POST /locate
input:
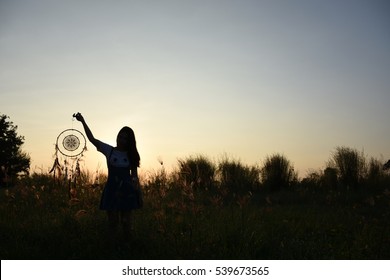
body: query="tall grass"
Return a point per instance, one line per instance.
(202, 210)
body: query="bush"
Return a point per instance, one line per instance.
(375, 169)
(198, 172)
(236, 177)
(350, 165)
(312, 180)
(278, 173)
(329, 179)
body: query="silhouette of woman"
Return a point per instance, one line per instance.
(122, 192)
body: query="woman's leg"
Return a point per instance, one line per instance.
(113, 220)
(113, 223)
(126, 220)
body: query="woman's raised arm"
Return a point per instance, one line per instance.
(87, 130)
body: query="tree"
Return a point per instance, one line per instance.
(12, 159)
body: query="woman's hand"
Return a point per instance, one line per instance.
(90, 136)
(78, 117)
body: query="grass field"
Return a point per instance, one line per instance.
(182, 220)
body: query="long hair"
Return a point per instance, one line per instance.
(132, 151)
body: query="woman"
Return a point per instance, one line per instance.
(121, 193)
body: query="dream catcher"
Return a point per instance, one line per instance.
(69, 148)
(71, 143)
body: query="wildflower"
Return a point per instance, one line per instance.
(370, 201)
(196, 209)
(216, 200)
(9, 195)
(72, 193)
(243, 200)
(80, 213)
(159, 215)
(74, 201)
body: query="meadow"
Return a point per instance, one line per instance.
(202, 210)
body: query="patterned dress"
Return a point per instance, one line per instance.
(120, 192)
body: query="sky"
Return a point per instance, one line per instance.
(244, 79)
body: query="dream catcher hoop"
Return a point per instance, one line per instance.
(71, 143)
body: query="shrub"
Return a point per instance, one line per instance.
(312, 180)
(277, 172)
(329, 179)
(198, 172)
(236, 177)
(375, 169)
(350, 165)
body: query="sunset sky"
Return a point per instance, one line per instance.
(243, 78)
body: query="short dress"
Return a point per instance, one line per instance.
(120, 192)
